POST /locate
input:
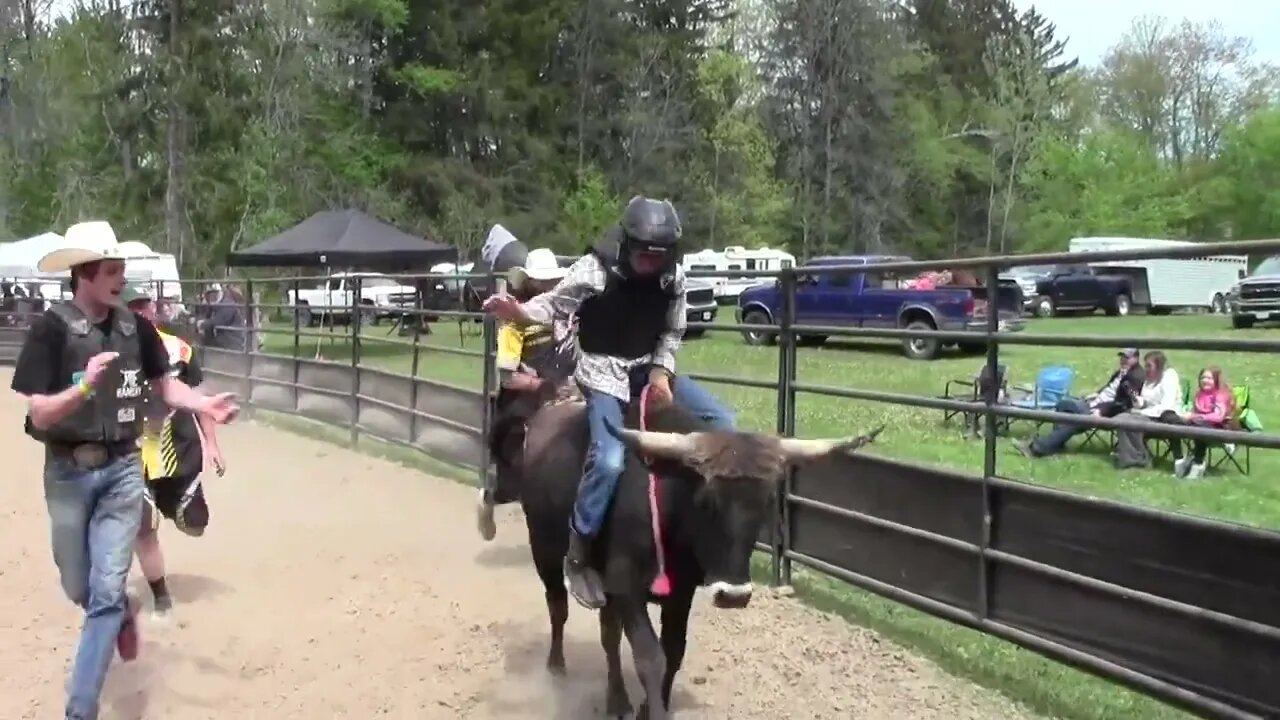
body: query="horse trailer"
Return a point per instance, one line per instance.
(1162, 286)
(734, 258)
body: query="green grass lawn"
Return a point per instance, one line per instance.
(918, 435)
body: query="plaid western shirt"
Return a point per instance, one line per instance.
(604, 373)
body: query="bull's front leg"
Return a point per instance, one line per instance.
(646, 652)
(558, 613)
(675, 631)
(617, 704)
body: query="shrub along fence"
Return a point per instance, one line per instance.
(1182, 608)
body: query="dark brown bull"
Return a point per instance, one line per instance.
(716, 491)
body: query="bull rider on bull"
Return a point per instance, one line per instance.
(628, 294)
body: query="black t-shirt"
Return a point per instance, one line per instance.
(38, 370)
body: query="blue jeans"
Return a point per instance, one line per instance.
(606, 454)
(1057, 438)
(94, 515)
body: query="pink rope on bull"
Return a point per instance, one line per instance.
(661, 585)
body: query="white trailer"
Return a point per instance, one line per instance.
(1163, 286)
(735, 258)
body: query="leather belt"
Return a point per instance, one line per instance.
(92, 455)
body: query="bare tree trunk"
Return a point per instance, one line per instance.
(991, 199)
(29, 26)
(174, 210)
(366, 70)
(715, 193)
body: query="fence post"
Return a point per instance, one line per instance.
(356, 321)
(297, 342)
(247, 337)
(413, 375)
(781, 563)
(990, 396)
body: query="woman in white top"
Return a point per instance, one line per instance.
(1161, 393)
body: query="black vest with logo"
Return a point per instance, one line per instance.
(627, 319)
(113, 413)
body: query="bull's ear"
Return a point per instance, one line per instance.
(796, 450)
(670, 446)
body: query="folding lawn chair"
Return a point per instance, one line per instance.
(977, 392)
(1249, 422)
(1053, 383)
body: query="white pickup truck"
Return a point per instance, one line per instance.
(380, 297)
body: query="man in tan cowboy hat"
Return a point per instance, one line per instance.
(527, 358)
(83, 369)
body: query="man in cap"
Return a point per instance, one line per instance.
(528, 358)
(83, 369)
(1115, 397)
(628, 294)
(176, 447)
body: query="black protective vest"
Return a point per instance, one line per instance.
(113, 413)
(630, 315)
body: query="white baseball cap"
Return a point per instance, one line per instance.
(84, 242)
(539, 265)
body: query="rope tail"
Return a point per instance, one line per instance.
(661, 586)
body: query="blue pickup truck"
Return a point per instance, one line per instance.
(878, 299)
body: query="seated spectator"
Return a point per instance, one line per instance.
(221, 320)
(1161, 393)
(1113, 398)
(1213, 406)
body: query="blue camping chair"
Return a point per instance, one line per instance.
(1053, 383)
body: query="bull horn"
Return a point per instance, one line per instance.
(797, 450)
(673, 446)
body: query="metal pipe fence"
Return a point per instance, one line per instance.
(1151, 598)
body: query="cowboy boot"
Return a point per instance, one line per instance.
(582, 581)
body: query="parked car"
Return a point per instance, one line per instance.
(700, 304)
(1075, 287)
(879, 298)
(1027, 277)
(1256, 297)
(380, 297)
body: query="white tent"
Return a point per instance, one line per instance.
(18, 259)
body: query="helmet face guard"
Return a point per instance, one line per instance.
(650, 226)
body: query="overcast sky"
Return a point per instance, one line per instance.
(1093, 26)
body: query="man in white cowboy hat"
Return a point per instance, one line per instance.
(84, 369)
(527, 358)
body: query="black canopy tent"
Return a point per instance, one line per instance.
(346, 239)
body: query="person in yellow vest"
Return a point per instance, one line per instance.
(526, 358)
(176, 447)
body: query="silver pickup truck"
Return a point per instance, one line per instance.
(1257, 297)
(700, 304)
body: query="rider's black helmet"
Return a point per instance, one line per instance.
(651, 226)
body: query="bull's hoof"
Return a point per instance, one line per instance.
(618, 705)
(484, 518)
(555, 665)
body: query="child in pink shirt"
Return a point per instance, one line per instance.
(1212, 406)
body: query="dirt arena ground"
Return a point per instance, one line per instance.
(334, 585)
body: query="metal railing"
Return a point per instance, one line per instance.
(979, 549)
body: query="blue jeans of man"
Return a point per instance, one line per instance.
(94, 517)
(1056, 439)
(606, 454)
